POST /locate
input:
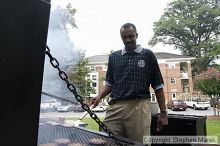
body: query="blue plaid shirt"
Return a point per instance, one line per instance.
(131, 74)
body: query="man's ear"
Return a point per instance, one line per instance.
(136, 35)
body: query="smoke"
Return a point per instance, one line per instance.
(63, 50)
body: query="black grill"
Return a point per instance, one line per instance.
(47, 133)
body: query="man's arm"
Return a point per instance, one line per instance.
(105, 91)
(160, 99)
(162, 119)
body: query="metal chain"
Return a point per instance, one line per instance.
(79, 98)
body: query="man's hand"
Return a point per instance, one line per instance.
(162, 121)
(95, 101)
(105, 91)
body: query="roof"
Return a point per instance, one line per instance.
(163, 55)
(159, 55)
(98, 58)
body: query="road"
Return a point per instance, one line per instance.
(189, 111)
(67, 114)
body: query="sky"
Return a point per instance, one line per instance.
(99, 22)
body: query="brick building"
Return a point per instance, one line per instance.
(175, 69)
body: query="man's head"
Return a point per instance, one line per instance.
(129, 35)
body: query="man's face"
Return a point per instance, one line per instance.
(129, 36)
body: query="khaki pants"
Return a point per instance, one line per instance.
(130, 119)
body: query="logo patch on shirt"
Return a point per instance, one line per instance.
(141, 63)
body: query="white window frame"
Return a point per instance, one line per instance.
(92, 68)
(173, 93)
(171, 64)
(173, 79)
(105, 68)
(94, 77)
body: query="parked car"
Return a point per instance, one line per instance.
(176, 105)
(65, 108)
(49, 105)
(197, 103)
(214, 100)
(105, 107)
(78, 108)
(99, 109)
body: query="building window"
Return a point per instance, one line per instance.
(183, 67)
(92, 68)
(94, 77)
(172, 80)
(94, 84)
(105, 68)
(171, 64)
(173, 95)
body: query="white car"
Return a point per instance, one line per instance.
(65, 108)
(197, 103)
(50, 105)
(100, 108)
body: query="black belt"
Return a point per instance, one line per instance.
(115, 100)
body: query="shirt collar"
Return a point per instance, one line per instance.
(137, 50)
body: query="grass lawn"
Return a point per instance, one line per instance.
(91, 123)
(212, 125)
(213, 128)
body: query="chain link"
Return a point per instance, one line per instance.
(79, 98)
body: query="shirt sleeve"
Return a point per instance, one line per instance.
(158, 86)
(109, 80)
(156, 80)
(107, 83)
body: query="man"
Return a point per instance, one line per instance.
(130, 73)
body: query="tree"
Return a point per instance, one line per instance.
(69, 13)
(215, 65)
(63, 17)
(193, 27)
(208, 82)
(79, 76)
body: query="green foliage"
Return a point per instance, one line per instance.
(69, 15)
(209, 86)
(102, 78)
(217, 66)
(62, 18)
(208, 82)
(92, 123)
(193, 27)
(79, 76)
